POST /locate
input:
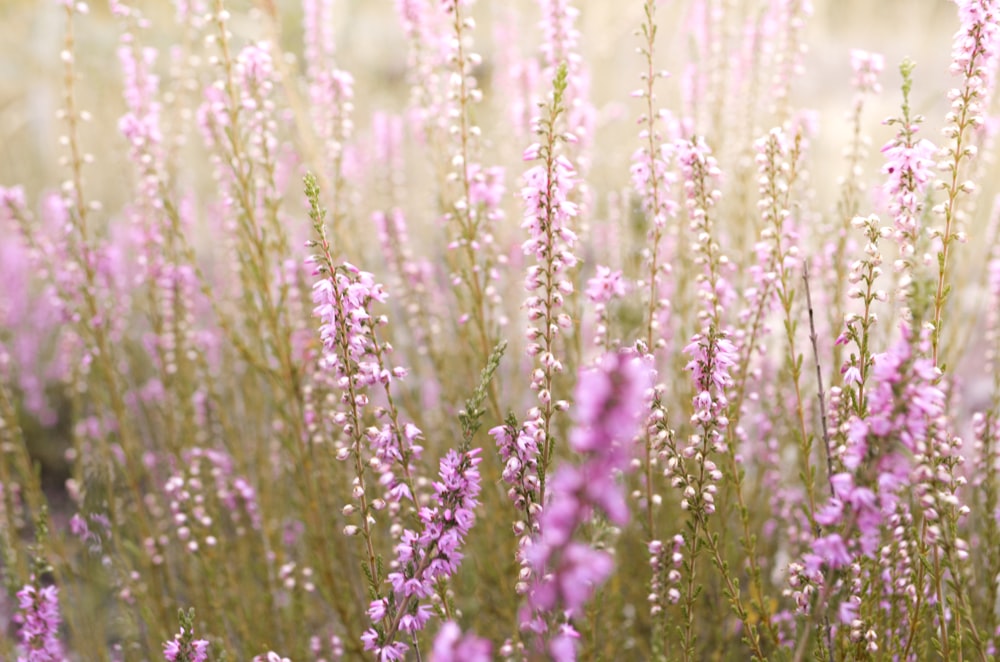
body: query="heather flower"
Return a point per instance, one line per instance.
(548, 212)
(519, 454)
(605, 285)
(184, 647)
(863, 275)
(651, 179)
(867, 67)
(602, 288)
(472, 200)
(40, 619)
(450, 645)
(560, 46)
(665, 563)
(701, 174)
(359, 359)
(909, 167)
(712, 358)
(428, 556)
(909, 170)
(271, 657)
(975, 51)
(174, 651)
(610, 400)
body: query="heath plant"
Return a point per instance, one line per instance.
(403, 331)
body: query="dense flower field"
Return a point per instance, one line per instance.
(448, 360)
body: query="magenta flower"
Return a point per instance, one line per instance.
(39, 617)
(451, 646)
(867, 67)
(426, 557)
(183, 649)
(610, 399)
(605, 285)
(909, 170)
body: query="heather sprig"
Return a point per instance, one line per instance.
(867, 68)
(694, 471)
(608, 405)
(184, 647)
(974, 59)
(652, 179)
(701, 175)
(353, 351)
(548, 211)
(605, 286)
(858, 328)
(427, 558)
(450, 645)
(909, 170)
(693, 468)
(38, 615)
(40, 619)
(519, 454)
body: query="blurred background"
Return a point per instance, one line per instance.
(371, 45)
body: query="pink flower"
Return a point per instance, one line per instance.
(605, 285)
(451, 646)
(40, 619)
(610, 398)
(867, 67)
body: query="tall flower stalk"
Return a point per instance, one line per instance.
(609, 401)
(974, 54)
(547, 215)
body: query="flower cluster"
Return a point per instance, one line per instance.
(451, 645)
(473, 209)
(774, 161)
(863, 277)
(140, 125)
(548, 213)
(177, 650)
(255, 73)
(608, 409)
(713, 356)
(355, 354)
(909, 170)
(193, 501)
(519, 453)
(547, 217)
(701, 174)
(652, 178)
(975, 51)
(666, 573)
(39, 617)
(891, 443)
(866, 67)
(605, 286)
(426, 558)
(974, 54)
